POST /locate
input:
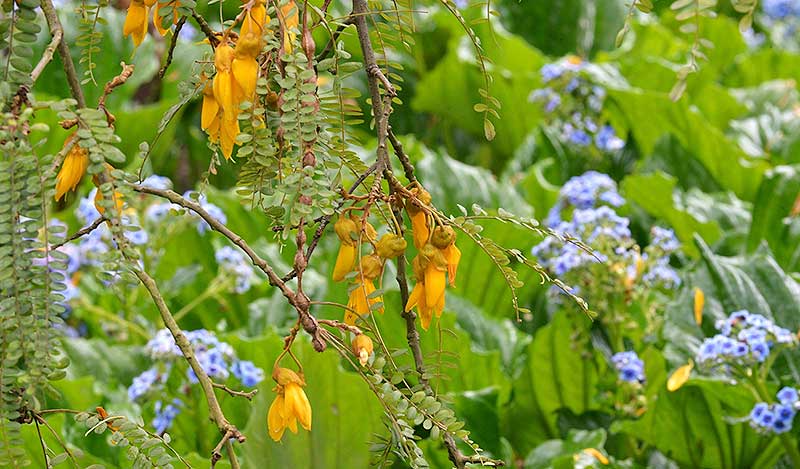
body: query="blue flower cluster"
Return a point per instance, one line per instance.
(744, 338)
(776, 418)
(781, 9)
(781, 20)
(217, 358)
(588, 203)
(234, 262)
(213, 210)
(166, 415)
(629, 366)
(575, 105)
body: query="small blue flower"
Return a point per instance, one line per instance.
(157, 182)
(781, 426)
(551, 71)
(784, 412)
(760, 350)
(142, 384)
(607, 140)
(215, 212)
(758, 410)
(629, 366)
(779, 9)
(158, 211)
(664, 239)
(788, 396)
(247, 373)
(166, 416)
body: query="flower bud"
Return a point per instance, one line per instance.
(284, 376)
(443, 236)
(362, 347)
(699, 303)
(391, 246)
(369, 230)
(346, 230)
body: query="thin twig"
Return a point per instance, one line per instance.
(54, 24)
(246, 394)
(408, 168)
(82, 232)
(47, 55)
(172, 44)
(210, 34)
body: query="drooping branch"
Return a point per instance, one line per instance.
(47, 55)
(54, 24)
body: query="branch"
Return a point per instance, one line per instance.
(299, 300)
(245, 394)
(47, 55)
(172, 44)
(214, 410)
(210, 34)
(408, 168)
(63, 51)
(82, 232)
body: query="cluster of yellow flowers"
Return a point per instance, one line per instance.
(72, 170)
(290, 405)
(139, 12)
(436, 261)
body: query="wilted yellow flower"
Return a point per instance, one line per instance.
(347, 231)
(699, 303)
(419, 219)
(290, 405)
(136, 21)
(680, 377)
(72, 169)
(362, 347)
(209, 115)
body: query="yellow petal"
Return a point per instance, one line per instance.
(345, 261)
(453, 256)
(434, 284)
(699, 302)
(301, 408)
(229, 130)
(419, 228)
(680, 377)
(275, 419)
(72, 169)
(597, 455)
(245, 71)
(136, 22)
(209, 112)
(417, 295)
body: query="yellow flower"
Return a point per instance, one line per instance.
(227, 94)
(418, 217)
(72, 169)
(699, 302)
(291, 20)
(600, 457)
(244, 65)
(360, 301)
(98, 197)
(680, 377)
(255, 20)
(444, 239)
(362, 347)
(391, 246)
(136, 21)
(290, 405)
(419, 295)
(346, 230)
(209, 116)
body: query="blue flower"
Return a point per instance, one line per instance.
(162, 345)
(550, 72)
(784, 412)
(661, 274)
(215, 212)
(578, 136)
(586, 190)
(758, 410)
(246, 372)
(629, 366)
(760, 350)
(158, 211)
(164, 417)
(607, 140)
(788, 396)
(552, 103)
(781, 426)
(157, 182)
(779, 9)
(664, 239)
(233, 261)
(142, 384)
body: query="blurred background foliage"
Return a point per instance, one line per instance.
(720, 167)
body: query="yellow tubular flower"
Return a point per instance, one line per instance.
(680, 377)
(72, 169)
(362, 347)
(434, 273)
(136, 22)
(229, 130)
(419, 297)
(255, 20)
(210, 112)
(360, 302)
(699, 303)
(290, 405)
(244, 65)
(291, 20)
(225, 91)
(346, 230)
(444, 239)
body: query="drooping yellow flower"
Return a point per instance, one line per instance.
(209, 115)
(347, 232)
(98, 196)
(255, 20)
(72, 169)
(136, 21)
(361, 299)
(290, 405)
(699, 303)
(419, 295)
(362, 347)
(444, 239)
(227, 94)
(291, 20)
(419, 219)
(680, 377)
(244, 65)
